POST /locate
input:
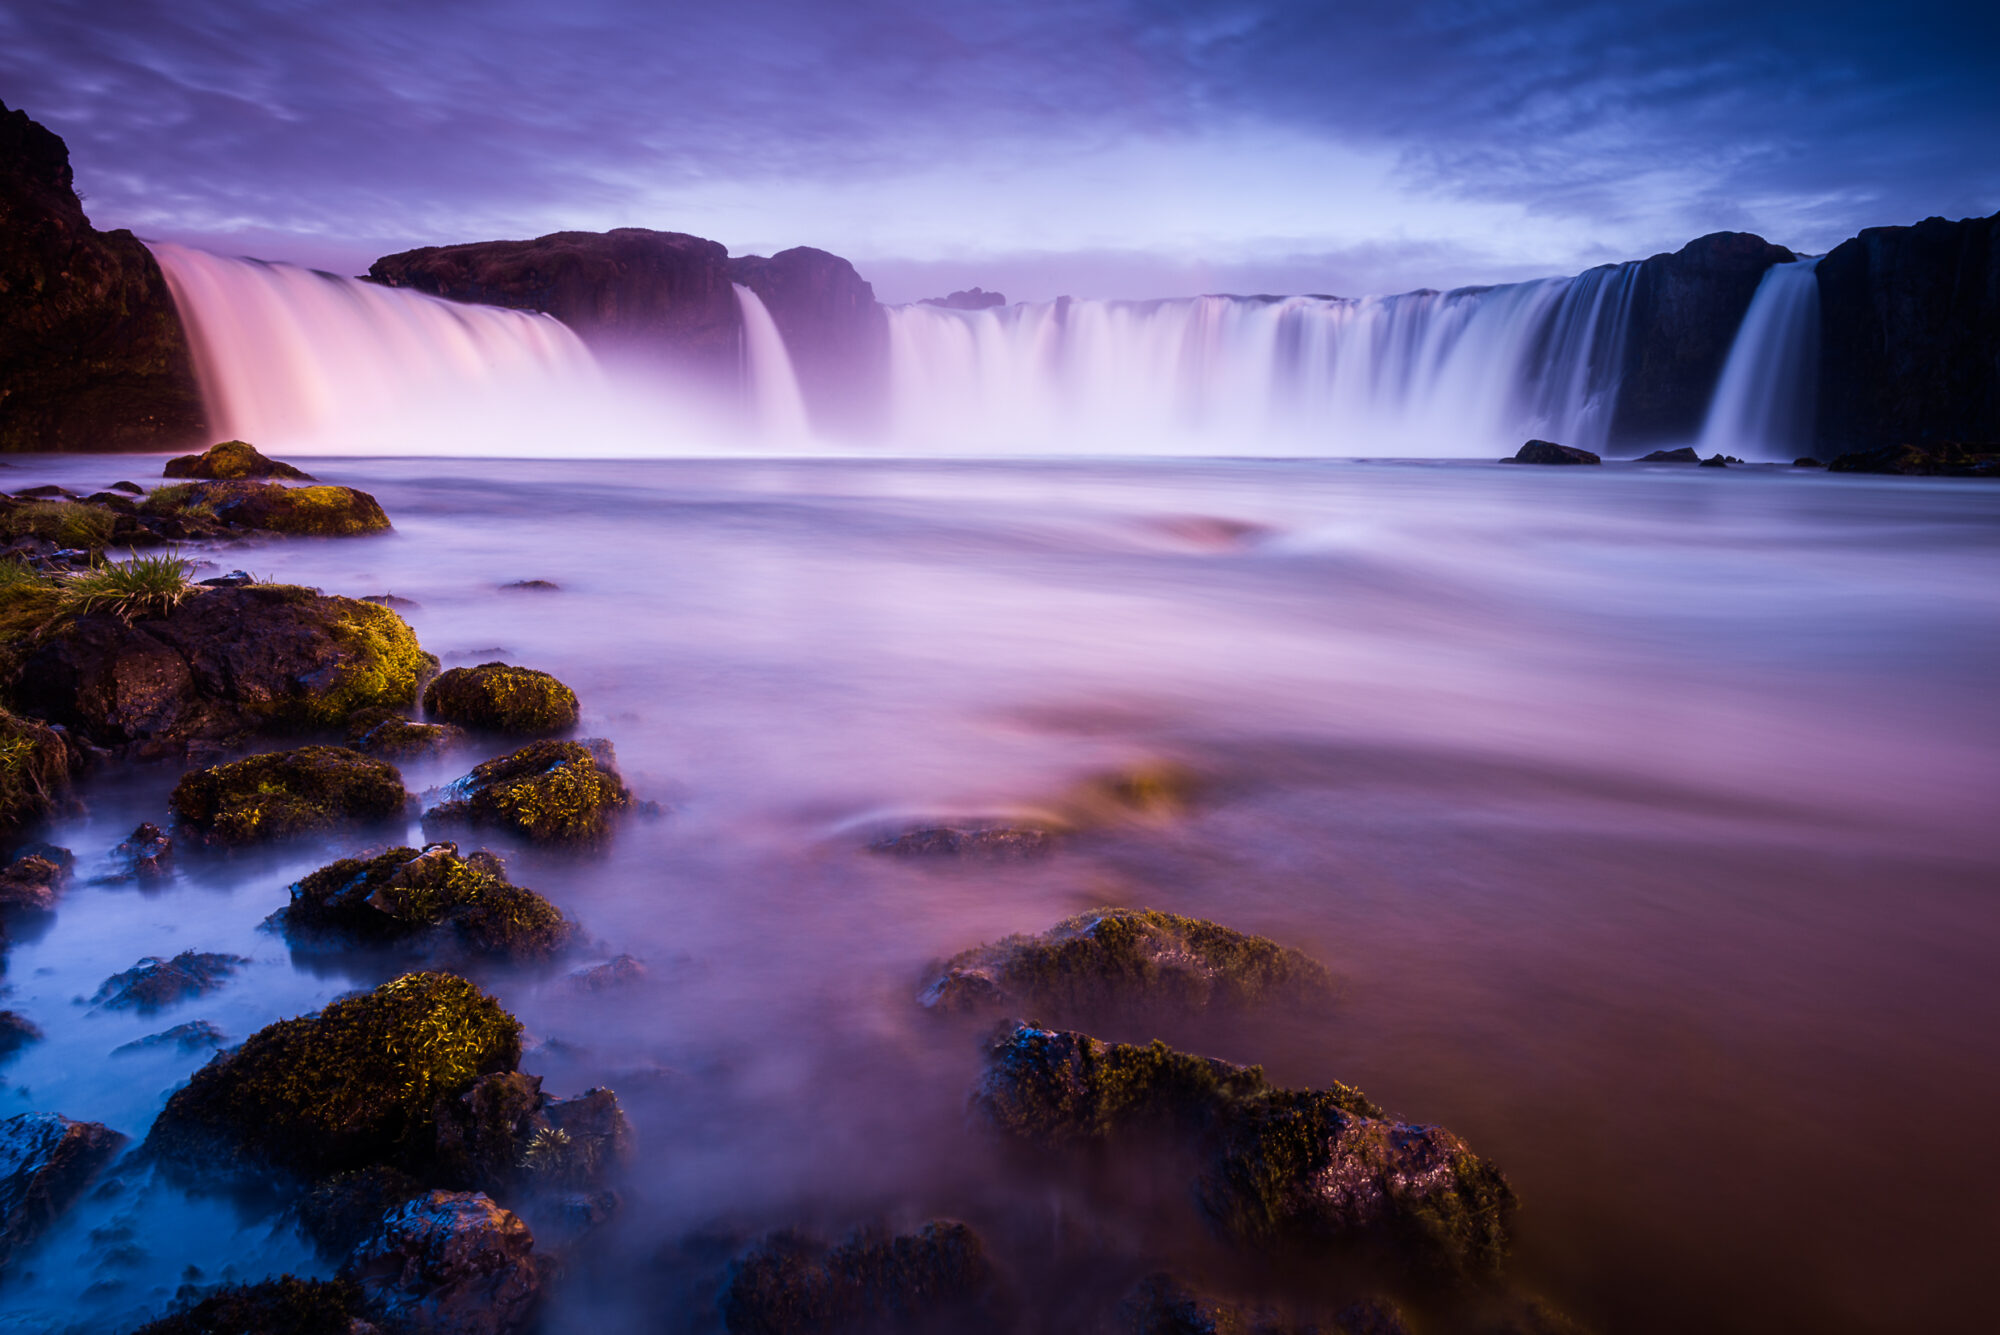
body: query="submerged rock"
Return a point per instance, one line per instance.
(230, 460)
(450, 1263)
(936, 1279)
(190, 1037)
(1684, 455)
(434, 899)
(1938, 460)
(222, 663)
(1548, 452)
(154, 984)
(16, 1032)
(498, 697)
(1807, 461)
(32, 882)
(548, 792)
(505, 1135)
(285, 793)
(1116, 958)
(333, 512)
(388, 734)
(618, 971)
(34, 770)
(286, 1305)
(342, 1089)
(1305, 1171)
(997, 843)
(147, 853)
(46, 1163)
(1715, 461)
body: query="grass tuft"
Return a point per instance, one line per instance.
(141, 586)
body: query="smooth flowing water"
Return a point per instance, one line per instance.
(1646, 815)
(1764, 403)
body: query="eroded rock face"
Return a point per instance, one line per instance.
(547, 792)
(46, 1163)
(498, 697)
(282, 794)
(934, 1280)
(92, 355)
(230, 460)
(433, 900)
(450, 1263)
(224, 662)
(1307, 1171)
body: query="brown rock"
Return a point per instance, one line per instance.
(450, 1263)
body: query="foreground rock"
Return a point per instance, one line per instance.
(46, 1163)
(433, 900)
(547, 792)
(450, 1263)
(1122, 959)
(1941, 460)
(497, 697)
(1548, 452)
(34, 771)
(190, 1037)
(319, 511)
(1306, 1172)
(283, 794)
(283, 1306)
(33, 882)
(147, 853)
(223, 663)
(154, 984)
(937, 1279)
(229, 461)
(92, 354)
(340, 1090)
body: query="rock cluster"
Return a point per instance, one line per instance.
(434, 901)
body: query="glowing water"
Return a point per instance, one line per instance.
(777, 406)
(1763, 405)
(1469, 372)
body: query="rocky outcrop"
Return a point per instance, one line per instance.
(46, 1162)
(1548, 452)
(994, 843)
(967, 299)
(837, 335)
(1910, 337)
(232, 460)
(92, 355)
(1685, 311)
(1684, 455)
(449, 1263)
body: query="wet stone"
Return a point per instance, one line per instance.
(989, 843)
(450, 1261)
(33, 882)
(154, 983)
(147, 853)
(618, 971)
(193, 1036)
(47, 1161)
(17, 1031)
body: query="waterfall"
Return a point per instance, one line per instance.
(1470, 372)
(1764, 402)
(777, 406)
(294, 358)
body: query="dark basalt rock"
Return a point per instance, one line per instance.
(935, 1280)
(1807, 461)
(1685, 310)
(385, 733)
(434, 901)
(997, 843)
(34, 771)
(33, 882)
(154, 984)
(1684, 455)
(836, 334)
(1310, 1172)
(92, 355)
(223, 663)
(1715, 461)
(322, 511)
(1122, 959)
(547, 792)
(1941, 460)
(286, 1305)
(147, 853)
(281, 794)
(339, 1090)
(16, 1032)
(46, 1163)
(1548, 452)
(190, 1037)
(967, 299)
(497, 697)
(230, 460)
(450, 1263)
(1910, 337)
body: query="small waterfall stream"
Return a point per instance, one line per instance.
(778, 408)
(1764, 403)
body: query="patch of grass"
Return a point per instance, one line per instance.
(177, 499)
(65, 523)
(141, 586)
(34, 768)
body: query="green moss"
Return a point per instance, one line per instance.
(385, 666)
(405, 896)
(287, 1304)
(65, 523)
(34, 770)
(377, 731)
(285, 793)
(229, 460)
(549, 792)
(177, 500)
(354, 1085)
(341, 1211)
(498, 697)
(317, 510)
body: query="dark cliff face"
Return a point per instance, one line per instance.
(92, 356)
(1686, 308)
(1910, 336)
(837, 335)
(621, 290)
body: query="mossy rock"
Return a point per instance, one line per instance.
(343, 1089)
(322, 511)
(34, 771)
(286, 1305)
(936, 1279)
(497, 697)
(547, 792)
(230, 460)
(282, 794)
(77, 524)
(1283, 1170)
(434, 899)
(1116, 959)
(386, 733)
(342, 1210)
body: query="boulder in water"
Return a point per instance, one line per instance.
(992, 843)
(190, 1037)
(154, 983)
(286, 1305)
(1716, 461)
(391, 735)
(46, 1163)
(498, 697)
(282, 794)
(434, 900)
(323, 511)
(1943, 460)
(449, 1263)
(546, 792)
(1684, 455)
(1548, 452)
(147, 853)
(934, 1280)
(1807, 461)
(230, 461)
(32, 882)
(506, 1136)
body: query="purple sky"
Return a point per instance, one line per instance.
(1097, 148)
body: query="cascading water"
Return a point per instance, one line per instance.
(1474, 371)
(298, 359)
(1764, 403)
(777, 405)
